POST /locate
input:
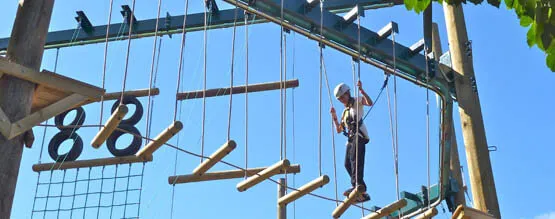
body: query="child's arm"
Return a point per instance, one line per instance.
(366, 100)
(338, 127)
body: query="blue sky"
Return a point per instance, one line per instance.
(515, 87)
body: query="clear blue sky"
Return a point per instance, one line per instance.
(516, 91)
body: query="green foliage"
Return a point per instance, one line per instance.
(536, 15)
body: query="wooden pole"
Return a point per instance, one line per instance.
(162, 138)
(215, 158)
(26, 47)
(238, 89)
(455, 164)
(479, 165)
(111, 125)
(347, 202)
(229, 174)
(387, 209)
(281, 209)
(89, 163)
(262, 175)
(427, 214)
(305, 189)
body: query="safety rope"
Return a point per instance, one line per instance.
(293, 125)
(151, 77)
(246, 93)
(357, 102)
(427, 122)
(281, 157)
(320, 45)
(205, 44)
(128, 50)
(105, 63)
(231, 75)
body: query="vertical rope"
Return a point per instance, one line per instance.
(293, 125)
(126, 192)
(175, 163)
(394, 129)
(231, 75)
(128, 50)
(47, 193)
(141, 190)
(204, 84)
(148, 108)
(61, 193)
(246, 93)
(357, 103)
(321, 45)
(104, 66)
(100, 197)
(427, 123)
(281, 83)
(182, 47)
(73, 198)
(113, 191)
(87, 194)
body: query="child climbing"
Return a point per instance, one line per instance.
(348, 126)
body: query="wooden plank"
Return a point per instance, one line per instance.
(45, 96)
(303, 190)
(89, 163)
(117, 95)
(387, 209)
(222, 175)
(237, 90)
(262, 175)
(111, 124)
(463, 212)
(349, 200)
(45, 113)
(161, 139)
(49, 79)
(215, 157)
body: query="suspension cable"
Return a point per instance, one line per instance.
(105, 62)
(246, 93)
(231, 75)
(128, 50)
(148, 109)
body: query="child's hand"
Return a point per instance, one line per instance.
(359, 85)
(333, 115)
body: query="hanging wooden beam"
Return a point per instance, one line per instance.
(134, 93)
(238, 90)
(110, 126)
(341, 208)
(230, 174)
(262, 175)
(215, 158)
(427, 214)
(89, 163)
(387, 209)
(303, 190)
(162, 138)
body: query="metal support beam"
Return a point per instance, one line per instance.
(174, 24)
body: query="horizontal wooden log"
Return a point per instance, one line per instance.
(349, 200)
(134, 93)
(237, 90)
(222, 175)
(88, 163)
(303, 190)
(215, 158)
(263, 175)
(387, 209)
(161, 139)
(110, 126)
(427, 214)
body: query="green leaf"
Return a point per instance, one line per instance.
(550, 61)
(529, 8)
(509, 3)
(531, 35)
(525, 21)
(409, 4)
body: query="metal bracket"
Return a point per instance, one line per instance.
(168, 23)
(387, 30)
(126, 13)
(473, 84)
(211, 6)
(310, 4)
(84, 22)
(492, 148)
(468, 48)
(352, 15)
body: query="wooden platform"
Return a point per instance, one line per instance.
(53, 95)
(463, 212)
(89, 163)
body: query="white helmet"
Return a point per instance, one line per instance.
(341, 89)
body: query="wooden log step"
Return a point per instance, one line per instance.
(303, 190)
(222, 175)
(387, 209)
(349, 200)
(237, 90)
(215, 158)
(110, 126)
(262, 175)
(427, 214)
(88, 163)
(162, 138)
